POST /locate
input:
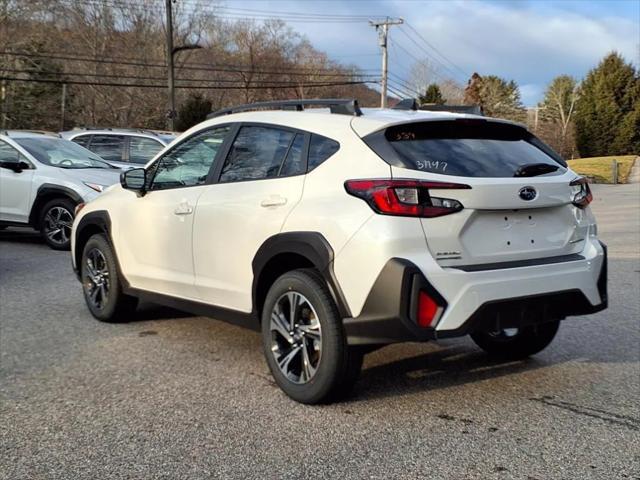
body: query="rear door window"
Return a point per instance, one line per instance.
(294, 162)
(466, 148)
(82, 140)
(257, 153)
(109, 147)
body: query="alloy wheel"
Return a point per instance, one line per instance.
(57, 225)
(296, 337)
(96, 281)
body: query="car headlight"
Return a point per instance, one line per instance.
(95, 186)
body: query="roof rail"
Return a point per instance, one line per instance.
(47, 133)
(118, 129)
(342, 106)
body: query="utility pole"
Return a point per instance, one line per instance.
(3, 98)
(63, 106)
(170, 83)
(171, 53)
(382, 27)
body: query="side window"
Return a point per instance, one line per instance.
(256, 153)
(188, 163)
(141, 149)
(109, 147)
(9, 154)
(294, 163)
(82, 140)
(320, 149)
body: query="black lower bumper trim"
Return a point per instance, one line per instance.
(388, 315)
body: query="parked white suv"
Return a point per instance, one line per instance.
(43, 178)
(336, 233)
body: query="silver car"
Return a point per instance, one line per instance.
(43, 178)
(123, 147)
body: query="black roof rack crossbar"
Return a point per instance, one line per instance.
(342, 106)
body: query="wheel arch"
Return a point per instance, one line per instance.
(89, 225)
(290, 251)
(46, 193)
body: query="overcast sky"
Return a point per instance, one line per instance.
(528, 41)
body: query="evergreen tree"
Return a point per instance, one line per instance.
(192, 112)
(607, 110)
(496, 96)
(501, 98)
(432, 95)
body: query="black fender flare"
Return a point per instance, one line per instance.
(310, 245)
(100, 219)
(50, 189)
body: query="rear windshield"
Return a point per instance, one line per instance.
(467, 148)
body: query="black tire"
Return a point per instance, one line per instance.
(98, 269)
(525, 342)
(337, 366)
(56, 219)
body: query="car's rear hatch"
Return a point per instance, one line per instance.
(515, 196)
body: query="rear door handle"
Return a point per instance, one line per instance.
(183, 209)
(273, 201)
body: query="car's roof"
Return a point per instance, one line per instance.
(320, 120)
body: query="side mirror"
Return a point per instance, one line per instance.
(16, 166)
(135, 180)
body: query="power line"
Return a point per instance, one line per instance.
(428, 54)
(405, 84)
(241, 14)
(187, 87)
(400, 86)
(136, 77)
(417, 60)
(436, 50)
(188, 66)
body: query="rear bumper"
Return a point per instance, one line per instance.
(479, 300)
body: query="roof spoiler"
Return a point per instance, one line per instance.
(412, 104)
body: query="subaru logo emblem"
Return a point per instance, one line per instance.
(528, 193)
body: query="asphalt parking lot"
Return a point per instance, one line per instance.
(175, 396)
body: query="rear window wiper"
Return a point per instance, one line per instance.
(535, 169)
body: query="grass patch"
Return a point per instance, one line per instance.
(599, 168)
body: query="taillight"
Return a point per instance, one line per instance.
(428, 310)
(581, 192)
(410, 198)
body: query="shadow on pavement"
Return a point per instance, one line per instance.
(442, 368)
(21, 235)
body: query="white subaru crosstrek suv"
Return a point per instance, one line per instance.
(43, 178)
(335, 232)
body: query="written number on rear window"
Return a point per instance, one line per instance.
(431, 165)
